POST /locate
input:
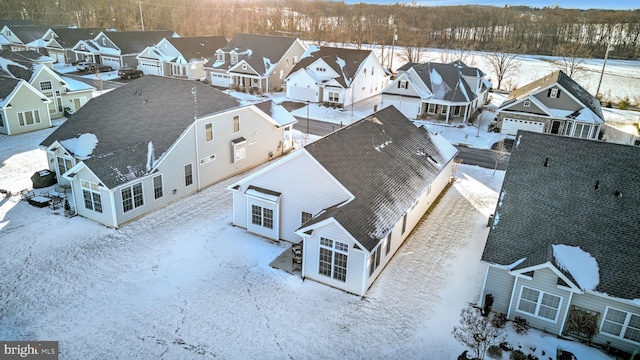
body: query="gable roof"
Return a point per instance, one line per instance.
(562, 79)
(345, 62)
(134, 42)
(69, 37)
(259, 51)
(445, 81)
(150, 110)
(386, 162)
(7, 86)
(560, 204)
(29, 33)
(198, 47)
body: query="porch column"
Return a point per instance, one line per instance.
(448, 110)
(466, 113)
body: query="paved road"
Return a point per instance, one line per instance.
(106, 84)
(471, 156)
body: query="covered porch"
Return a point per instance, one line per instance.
(447, 112)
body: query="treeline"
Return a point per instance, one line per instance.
(543, 31)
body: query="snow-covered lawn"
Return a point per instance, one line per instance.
(182, 283)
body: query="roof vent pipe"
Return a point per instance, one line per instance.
(597, 184)
(546, 162)
(618, 193)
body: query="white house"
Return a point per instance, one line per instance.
(336, 76)
(253, 62)
(438, 91)
(351, 198)
(180, 57)
(563, 249)
(156, 140)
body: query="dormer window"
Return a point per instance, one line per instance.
(104, 41)
(220, 56)
(234, 58)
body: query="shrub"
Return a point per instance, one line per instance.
(520, 325)
(499, 320)
(494, 352)
(517, 355)
(624, 104)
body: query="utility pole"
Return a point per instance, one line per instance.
(606, 55)
(393, 46)
(141, 17)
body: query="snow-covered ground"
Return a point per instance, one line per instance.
(182, 283)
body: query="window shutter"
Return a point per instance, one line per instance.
(549, 93)
(558, 94)
(398, 84)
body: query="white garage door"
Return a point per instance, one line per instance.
(511, 126)
(149, 68)
(111, 61)
(408, 109)
(302, 94)
(221, 80)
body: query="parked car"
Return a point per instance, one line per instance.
(128, 73)
(84, 65)
(99, 68)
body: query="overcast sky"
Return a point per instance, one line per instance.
(575, 4)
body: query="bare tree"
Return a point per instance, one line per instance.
(498, 154)
(476, 332)
(503, 64)
(572, 58)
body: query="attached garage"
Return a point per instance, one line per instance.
(149, 67)
(220, 80)
(114, 62)
(302, 94)
(511, 126)
(410, 109)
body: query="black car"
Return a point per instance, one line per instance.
(99, 68)
(128, 73)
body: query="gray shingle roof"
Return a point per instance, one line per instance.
(559, 204)
(198, 47)
(150, 109)
(18, 64)
(383, 160)
(335, 58)
(7, 84)
(561, 79)
(134, 42)
(29, 33)
(445, 81)
(254, 49)
(68, 38)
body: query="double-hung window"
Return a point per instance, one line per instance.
(29, 117)
(334, 96)
(374, 260)
(157, 187)
(132, 197)
(64, 165)
(262, 216)
(539, 303)
(188, 175)
(91, 195)
(621, 324)
(333, 259)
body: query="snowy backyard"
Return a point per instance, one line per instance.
(182, 283)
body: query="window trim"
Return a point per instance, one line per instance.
(526, 103)
(95, 198)
(208, 132)
(158, 191)
(188, 176)
(539, 304)
(335, 248)
(623, 327)
(135, 198)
